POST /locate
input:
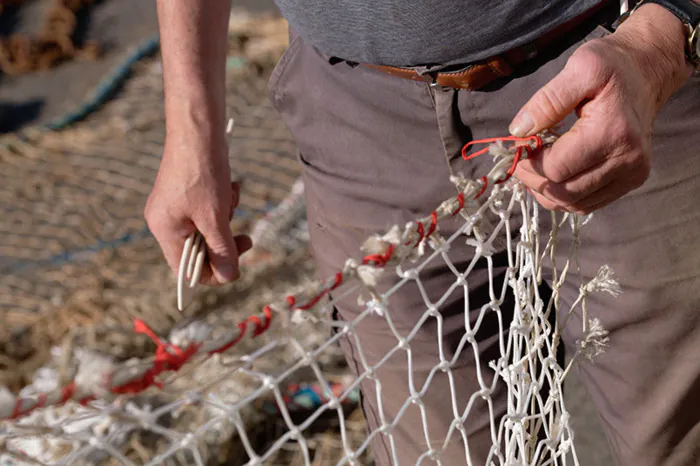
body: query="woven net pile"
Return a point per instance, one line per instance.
(77, 262)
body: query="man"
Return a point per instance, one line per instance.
(381, 96)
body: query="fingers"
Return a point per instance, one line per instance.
(222, 252)
(243, 244)
(606, 153)
(577, 188)
(584, 146)
(601, 198)
(591, 189)
(544, 202)
(579, 81)
(170, 234)
(225, 256)
(222, 248)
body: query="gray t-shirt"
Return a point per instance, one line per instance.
(424, 32)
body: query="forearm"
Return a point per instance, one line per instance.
(193, 48)
(661, 38)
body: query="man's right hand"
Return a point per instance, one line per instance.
(193, 191)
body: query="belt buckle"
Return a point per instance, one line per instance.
(434, 81)
(435, 84)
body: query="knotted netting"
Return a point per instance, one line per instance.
(210, 390)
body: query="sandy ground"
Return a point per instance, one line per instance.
(120, 24)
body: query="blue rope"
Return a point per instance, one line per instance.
(74, 255)
(79, 254)
(106, 88)
(109, 85)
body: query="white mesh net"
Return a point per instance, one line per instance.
(209, 393)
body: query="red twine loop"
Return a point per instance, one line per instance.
(67, 392)
(242, 327)
(460, 199)
(168, 357)
(137, 386)
(421, 234)
(380, 260)
(261, 325)
(431, 229)
(433, 224)
(531, 152)
(338, 280)
(485, 182)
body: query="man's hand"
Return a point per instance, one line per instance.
(193, 191)
(616, 85)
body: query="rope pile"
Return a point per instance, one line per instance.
(54, 43)
(77, 263)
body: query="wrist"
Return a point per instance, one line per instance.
(659, 40)
(195, 121)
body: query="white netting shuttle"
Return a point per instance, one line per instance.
(211, 389)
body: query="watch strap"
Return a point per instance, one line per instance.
(686, 10)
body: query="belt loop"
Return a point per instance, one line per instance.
(335, 60)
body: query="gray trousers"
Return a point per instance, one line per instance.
(378, 151)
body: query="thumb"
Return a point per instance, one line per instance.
(552, 103)
(222, 250)
(235, 197)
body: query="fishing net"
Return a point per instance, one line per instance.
(206, 387)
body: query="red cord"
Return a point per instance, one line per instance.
(338, 281)
(516, 160)
(67, 392)
(483, 188)
(433, 224)
(421, 235)
(531, 152)
(16, 409)
(536, 139)
(242, 326)
(380, 260)
(163, 360)
(460, 199)
(260, 327)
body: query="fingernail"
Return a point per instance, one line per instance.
(224, 273)
(522, 125)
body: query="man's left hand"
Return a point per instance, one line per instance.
(616, 85)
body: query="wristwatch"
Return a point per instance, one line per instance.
(687, 11)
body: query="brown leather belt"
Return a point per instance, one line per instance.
(484, 72)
